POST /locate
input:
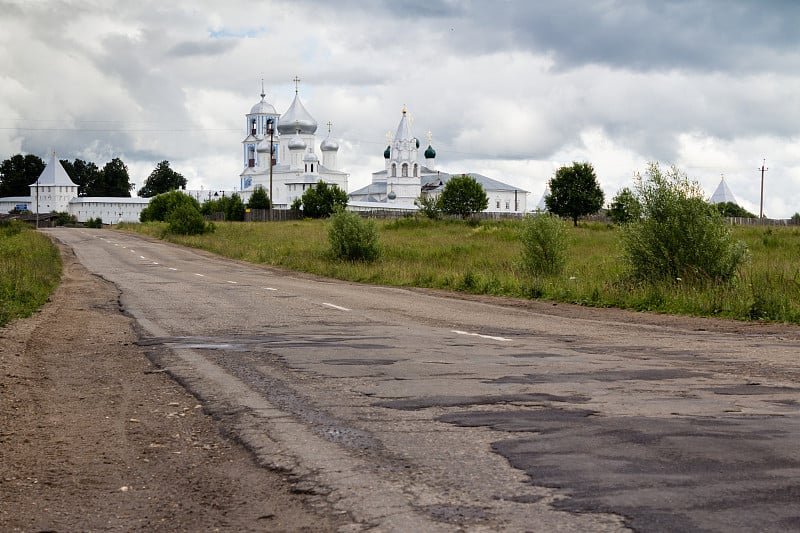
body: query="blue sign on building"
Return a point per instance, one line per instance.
(21, 207)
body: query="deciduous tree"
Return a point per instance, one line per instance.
(322, 200)
(574, 192)
(162, 179)
(463, 196)
(18, 173)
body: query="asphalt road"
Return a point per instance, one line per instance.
(417, 412)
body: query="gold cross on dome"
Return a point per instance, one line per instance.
(389, 137)
(430, 136)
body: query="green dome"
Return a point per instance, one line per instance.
(430, 153)
(387, 153)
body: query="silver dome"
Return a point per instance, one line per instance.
(297, 118)
(262, 146)
(263, 108)
(329, 145)
(297, 143)
(310, 157)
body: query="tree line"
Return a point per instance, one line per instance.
(19, 172)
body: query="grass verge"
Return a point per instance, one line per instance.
(30, 268)
(486, 259)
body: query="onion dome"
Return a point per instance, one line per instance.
(263, 107)
(262, 146)
(387, 153)
(392, 195)
(297, 118)
(430, 153)
(310, 157)
(297, 143)
(329, 145)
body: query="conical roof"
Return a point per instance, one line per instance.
(723, 194)
(54, 174)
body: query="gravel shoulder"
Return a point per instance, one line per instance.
(94, 437)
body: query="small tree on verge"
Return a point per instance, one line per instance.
(162, 205)
(353, 238)
(680, 235)
(322, 200)
(186, 219)
(574, 192)
(429, 206)
(625, 207)
(463, 196)
(259, 199)
(544, 244)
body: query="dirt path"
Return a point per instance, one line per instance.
(93, 437)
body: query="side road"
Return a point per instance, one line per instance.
(93, 437)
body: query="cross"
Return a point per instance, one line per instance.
(329, 126)
(389, 137)
(296, 81)
(430, 136)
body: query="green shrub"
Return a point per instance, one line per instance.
(624, 207)
(544, 244)
(94, 223)
(429, 206)
(680, 235)
(161, 206)
(187, 220)
(65, 219)
(352, 237)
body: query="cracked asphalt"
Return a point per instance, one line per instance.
(415, 410)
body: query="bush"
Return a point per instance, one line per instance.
(352, 237)
(187, 220)
(94, 223)
(322, 200)
(624, 207)
(680, 235)
(161, 206)
(429, 206)
(544, 244)
(65, 219)
(259, 199)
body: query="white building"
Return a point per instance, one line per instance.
(723, 194)
(295, 163)
(405, 178)
(54, 191)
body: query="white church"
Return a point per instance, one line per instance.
(405, 178)
(289, 140)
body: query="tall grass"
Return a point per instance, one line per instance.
(485, 259)
(30, 268)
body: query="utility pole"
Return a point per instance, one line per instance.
(762, 169)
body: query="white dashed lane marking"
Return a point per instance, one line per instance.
(490, 337)
(340, 308)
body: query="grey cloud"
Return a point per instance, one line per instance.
(214, 47)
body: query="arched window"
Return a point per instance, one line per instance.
(404, 170)
(416, 170)
(394, 170)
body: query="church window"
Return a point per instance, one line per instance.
(405, 170)
(312, 167)
(394, 170)
(498, 204)
(416, 170)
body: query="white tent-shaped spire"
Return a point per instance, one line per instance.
(54, 174)
(723, 194)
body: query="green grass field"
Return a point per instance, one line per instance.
(484, 259)
(30, 268)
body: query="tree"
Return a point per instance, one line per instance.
(259, 199)
(83, 174)
(231, 207)
(574, 192)
(624, 207)
(679, 234)
(162, 179)
(322, 200)
(795, 218)
(18, 173)
(162, 205)
(112, 181)
(429, 206)
(732, 210)
(463, 196)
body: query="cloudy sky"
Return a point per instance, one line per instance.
(509, 89)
